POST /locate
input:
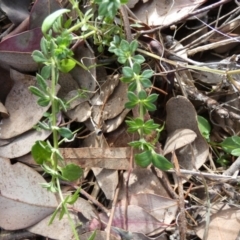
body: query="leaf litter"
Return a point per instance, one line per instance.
(198, 71)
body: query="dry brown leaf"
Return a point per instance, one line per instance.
(107, 180)
(23, 201)
(161, 208)
(142, 180)
(61, 229)
(139, 220)
(22, 106)
(178, 139)
(3, 111)
(224, 224)
(110, 158)
(22, 144)
(164, 13)
(81, 113)
(181, 114)
(86, 79)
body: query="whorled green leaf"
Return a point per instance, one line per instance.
(160, 162)
(143, 159)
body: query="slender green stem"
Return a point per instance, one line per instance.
(54, 113)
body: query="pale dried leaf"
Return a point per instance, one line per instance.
(59, 229)
(110, 158)
(182, 114)
(178, 139)
(22, 144)
(224, 224)
(3, 111)
(86, 79)
(165, 12)
(80, 113)
(16, 51)
(22, 107)
(161, 208)
(23, 201)
(107, 180)
(142, 180)
(112, 124)
(100, 235)
(139, 220)
(115, 104)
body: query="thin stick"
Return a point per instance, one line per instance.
(108, 229)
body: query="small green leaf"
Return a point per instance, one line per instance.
(36, 91)
(44, 46)
(127, 72)
(138, 59)
(236, 139)
(229, 144)
(71, 172)
(142, 95)
(66, 65)
(146, 83)
(41, 82)
(44, 102)
(152, 98)
(204, 127)
(132, 97)
(46, 72)
(147, 73)
(236, 152)
(124, 46)
(136, 68)
(133, 46)
(73, 198)
(65, 132)
(49, 20)
(38, 57)
(149, 106)
(143, 159)
(160, 162)
(41, 152)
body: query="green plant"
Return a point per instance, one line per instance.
(56, 56)
(138, 97)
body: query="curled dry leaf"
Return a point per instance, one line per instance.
(178, 139)
(23, 201)
(22, 107)
(181, 114)
(22, 144)
(165, 13)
